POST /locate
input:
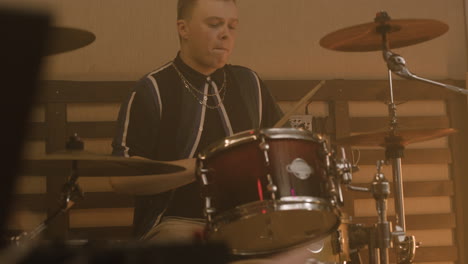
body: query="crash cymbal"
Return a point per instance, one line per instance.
(401, 137)
(402, 33)
(63, 39)
(90, 164)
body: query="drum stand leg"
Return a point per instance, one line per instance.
(377, 236)
(71, 193)
(405, 246)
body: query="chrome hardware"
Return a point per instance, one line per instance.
(265, 147)
(208, 209)
(204, 178)
(344, 168)
(271, 187)
(407, 249)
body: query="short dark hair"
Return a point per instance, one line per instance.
(185, 7)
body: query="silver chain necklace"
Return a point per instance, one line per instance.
(193, 90)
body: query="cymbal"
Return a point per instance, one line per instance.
(154, 184)
(401, 137)
(90, 164)
(63, 39)
(402, 33)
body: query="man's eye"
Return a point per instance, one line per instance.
(215, 25)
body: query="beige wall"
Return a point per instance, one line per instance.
(278, 38)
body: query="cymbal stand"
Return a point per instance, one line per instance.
(394, 151)
(71, 193)
(377, 237)
(397, 64)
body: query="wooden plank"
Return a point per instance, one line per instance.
(92, 112)
(105, 200)
(424, 254)
(104, 129)
(287, 90)
(323, 125)
(25, 220)
(411, 189)
(413, 206)
(36, 131)
(34, 148)
(417, 222)
(101, 217)
(370, 124)
(37, 202)
(457, 109)
(360, 90)
(412, 172)
(56, 118)
(102, 233)
(409, 108)
(296, 88)
(432, 254)
(30, 185)
(95, 184)
(412, 156)
(98, 145)
(56, 137)
(85, 91)
(339, 116)
(33, 202)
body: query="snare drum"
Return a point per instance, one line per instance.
(267, 190)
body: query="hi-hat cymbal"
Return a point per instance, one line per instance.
(401, 137)
(90, 164)
(402, 33)
(63, 39)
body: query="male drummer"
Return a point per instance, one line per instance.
(177, 110)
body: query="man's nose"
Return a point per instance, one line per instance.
(225, 32)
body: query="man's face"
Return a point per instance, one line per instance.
(208, 35)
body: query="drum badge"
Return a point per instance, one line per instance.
(300, 169)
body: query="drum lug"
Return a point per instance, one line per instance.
(202, 172)
(204, 179)
(271, 187)
(265, 147)
(208, 209)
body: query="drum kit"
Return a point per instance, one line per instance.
(269, 190)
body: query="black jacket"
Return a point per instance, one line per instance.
(162, 120)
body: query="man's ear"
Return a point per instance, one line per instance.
(182, 28)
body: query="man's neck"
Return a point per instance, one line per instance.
(189, 62)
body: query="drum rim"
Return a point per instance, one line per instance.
(254, 134)
(238, 213)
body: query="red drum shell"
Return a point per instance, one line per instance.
(267, 190)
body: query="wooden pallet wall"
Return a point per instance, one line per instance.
(433, 171)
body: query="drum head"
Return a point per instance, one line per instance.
(277, 226)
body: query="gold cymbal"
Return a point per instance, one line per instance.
(63, 39)
(402, 33)
(401, 137)
(91, 164)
